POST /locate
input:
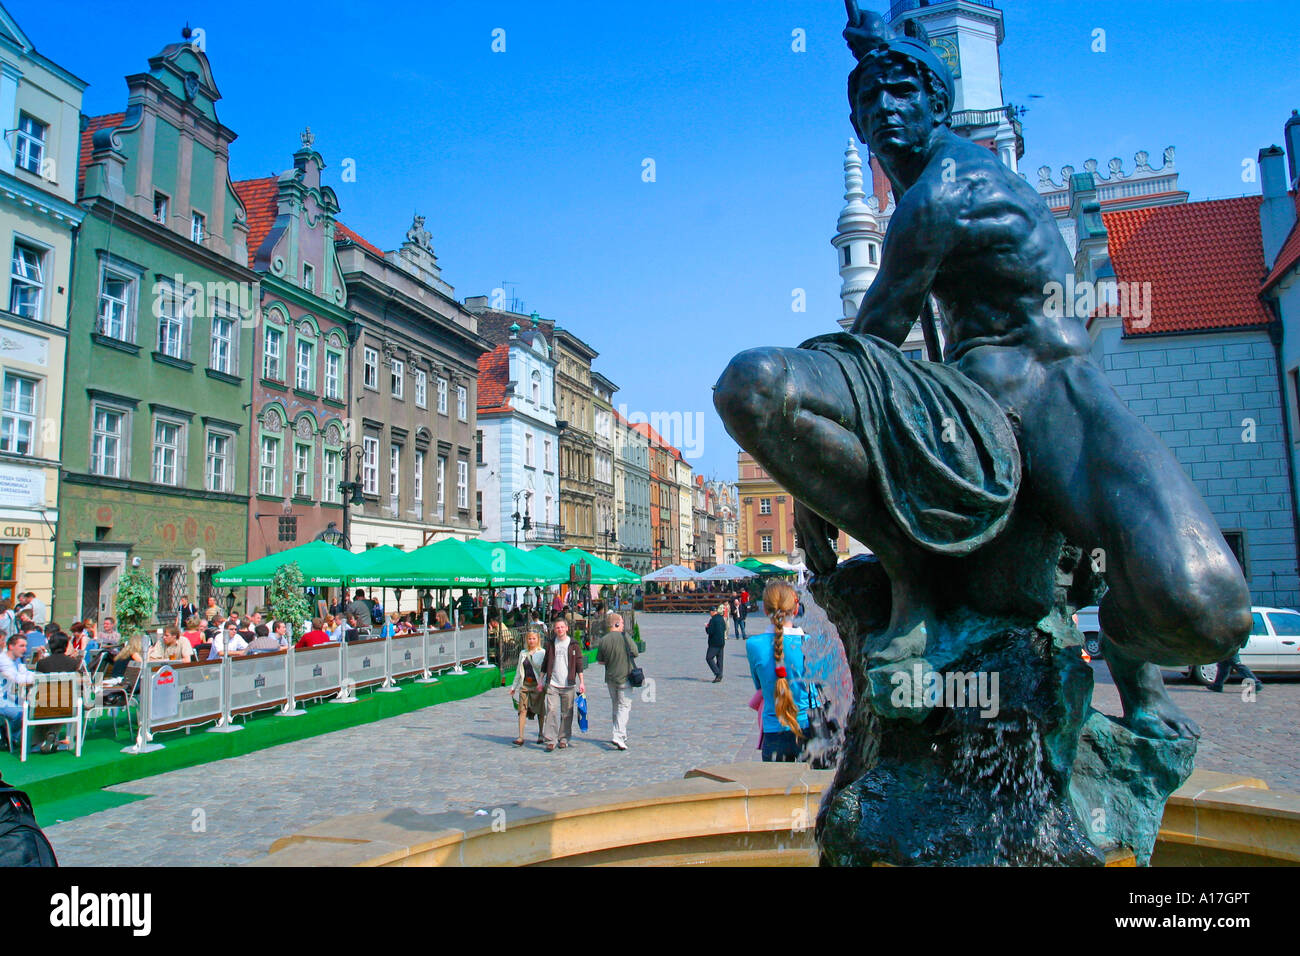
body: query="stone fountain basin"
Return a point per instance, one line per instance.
(742, 814)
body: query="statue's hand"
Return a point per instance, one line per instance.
(814, 533)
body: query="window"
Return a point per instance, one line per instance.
(308, 277)
(397, 379)
(160, 209)
(173, 315)
(765, 543)
(370, 369)
(106, 441)
(115, 290)
(217, 474)
(333, 375)
(26, 281)
(462, 484)
(421, 388)
(171, 588)
(287, 528)
(546, 455)
(442, 482)
(478, 507)
(330, 485)
(462, 403)
(272, 355)
(419, 477)
(537, 388)
(29, 146)
(848, 255)
(305, 364)
(871, 252)
(198, 225)
(395, 470)
(528, 450)
(370, 465)
(167, 452)
(223, 340)
(1236, 541)
(301, 470)
(269, 466)
(442, 396)
(478, 447)
(765, 506)
(18, 425)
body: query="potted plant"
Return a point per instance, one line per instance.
(136, 600)
(285, 598)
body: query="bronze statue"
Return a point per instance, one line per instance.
(966, 475)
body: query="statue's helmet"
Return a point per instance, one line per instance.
(876, 47)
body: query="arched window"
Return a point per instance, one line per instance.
(537, 388)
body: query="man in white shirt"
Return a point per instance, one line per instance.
(227, 641)
(14, 676)
(561, 667)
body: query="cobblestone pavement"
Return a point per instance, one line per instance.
(459, 756)
(453, 756)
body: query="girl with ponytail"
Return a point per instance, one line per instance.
(777, 666)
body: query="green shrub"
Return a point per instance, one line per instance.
(285, 598)
(135, 602)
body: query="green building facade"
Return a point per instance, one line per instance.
(160, 350)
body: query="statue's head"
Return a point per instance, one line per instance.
(900, 90)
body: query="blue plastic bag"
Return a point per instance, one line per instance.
(581, 705)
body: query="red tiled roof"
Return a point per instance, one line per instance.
(494, 380)
(259, 199)
(343, 232)
(656, 440)
(87, 145)
(1289, 255)
(1204, 261)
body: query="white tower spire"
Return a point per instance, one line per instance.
(858, 237)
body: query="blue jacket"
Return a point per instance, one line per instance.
(762, 667)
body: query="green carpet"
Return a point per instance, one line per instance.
(63, 786)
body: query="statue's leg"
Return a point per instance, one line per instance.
(1176, 594)
(793, 411)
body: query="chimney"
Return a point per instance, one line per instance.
(1292, 136)
(1277, 211)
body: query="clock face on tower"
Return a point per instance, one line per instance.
(946, 47)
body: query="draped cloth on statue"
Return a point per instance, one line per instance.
(942, 452)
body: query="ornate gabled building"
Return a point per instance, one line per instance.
(40, 106)
(298, 418)
(412, 395)
(632, 496)
(155, 430)
(518, 440)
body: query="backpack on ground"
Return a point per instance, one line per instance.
(22, 843)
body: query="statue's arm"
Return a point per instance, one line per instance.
(919, 235)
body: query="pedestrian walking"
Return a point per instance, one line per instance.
(716, 629)
(562, 671)
(617, 652)
(776, 663)
(738, 614)
(1226, 667)
(531, 699)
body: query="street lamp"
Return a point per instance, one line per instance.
(527, 518)
(350, 490)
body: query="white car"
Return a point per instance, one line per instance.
(1274, 645)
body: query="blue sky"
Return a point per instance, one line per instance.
(528, 163)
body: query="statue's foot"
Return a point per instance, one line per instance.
(1161, 719)
(904, 647)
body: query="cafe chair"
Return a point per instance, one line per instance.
(54, 700)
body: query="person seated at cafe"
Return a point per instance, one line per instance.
(58, 660)
(80, 643)
(262, 641)
(193, 633)
(441, 621)
(280, 631)
(390, 625)
(229, 642)
(36, 638)
(131, 650)
(108, 633)
(351, 628)
(172, 647)
(316, 636)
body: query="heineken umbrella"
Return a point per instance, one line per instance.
(762, 568)
(446, 563)
(727, 572)
(515, 567)
(602, 571)
(671, 572)
(320, 563)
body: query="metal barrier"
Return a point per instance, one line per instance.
(175, 695)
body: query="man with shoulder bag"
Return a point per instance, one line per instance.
(561, 670)
(617, 652)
